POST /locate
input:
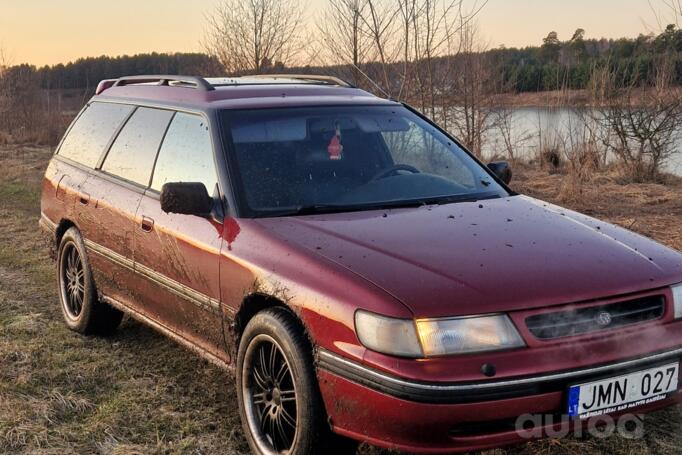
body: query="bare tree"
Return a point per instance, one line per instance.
(344, 36)
(640, 120)
(476, 80)
(581, 154)
(435, 24)
(5, 90)
(397, 46)
(408, 10)
(666, 12)
(254, 35)
(381, 27)
(5, 61)
(26, 113)
(511, 136)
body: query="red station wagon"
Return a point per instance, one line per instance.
(366, 277)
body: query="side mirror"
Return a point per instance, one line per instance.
(186, 198)
(502, 170)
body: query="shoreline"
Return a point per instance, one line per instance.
(546, 99)
(573, 98)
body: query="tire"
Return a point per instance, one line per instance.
(282, 412)
(79, 302)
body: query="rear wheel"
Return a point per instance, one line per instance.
(279, 400)
(81, 308)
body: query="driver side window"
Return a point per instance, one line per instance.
(186, 154)
(419, 148)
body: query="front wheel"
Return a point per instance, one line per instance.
(279, 400)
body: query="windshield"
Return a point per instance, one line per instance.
(324, 159)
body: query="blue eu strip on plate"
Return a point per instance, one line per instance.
(573, 400)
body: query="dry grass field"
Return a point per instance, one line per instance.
(139, 393)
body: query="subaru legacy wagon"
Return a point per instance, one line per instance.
(365, 276)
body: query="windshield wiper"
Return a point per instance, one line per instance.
(318, 209)
(315, 209)
(442, 200)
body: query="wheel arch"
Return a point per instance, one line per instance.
(64, 225)
(256, 302)
(53, 236)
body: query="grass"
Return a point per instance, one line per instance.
(139, 393)
(135, 392)
(21, 195)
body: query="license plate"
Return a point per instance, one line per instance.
(622, 392)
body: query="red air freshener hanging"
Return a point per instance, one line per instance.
(335, 149)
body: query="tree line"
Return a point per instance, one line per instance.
(36, 104)
(85, 73)
(560, 64)
(553, 65)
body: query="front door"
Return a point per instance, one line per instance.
(179, 254)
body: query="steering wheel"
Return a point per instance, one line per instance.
(393, 169)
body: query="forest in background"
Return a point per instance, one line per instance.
(429, 53)
(553, 65)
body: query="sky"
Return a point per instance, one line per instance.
(57, 31)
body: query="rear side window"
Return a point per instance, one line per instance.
(92, 132)
(186, 154)
(132, 154)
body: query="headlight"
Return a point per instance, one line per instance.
(387, 335)
(468, 334)
(435, 337)
(677, 299)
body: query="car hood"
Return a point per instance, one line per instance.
(479, 257)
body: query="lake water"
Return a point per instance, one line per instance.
(527, 124)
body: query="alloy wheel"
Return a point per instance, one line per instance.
(72, 280)
(269, 391)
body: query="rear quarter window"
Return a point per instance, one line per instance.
(132, 154)
(92, 131)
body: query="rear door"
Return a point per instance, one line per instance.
(179, 254)
(109, 199)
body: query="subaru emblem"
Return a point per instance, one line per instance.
(604, 318)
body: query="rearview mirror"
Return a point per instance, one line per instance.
(186, 198)
(502, 170)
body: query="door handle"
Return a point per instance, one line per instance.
(147, 224)
(84, 199)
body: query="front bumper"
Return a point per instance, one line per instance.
(424, 417)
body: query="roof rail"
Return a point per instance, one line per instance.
(330, 80)
(174, 81)
(202, 84)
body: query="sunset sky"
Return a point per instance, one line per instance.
(53, 31)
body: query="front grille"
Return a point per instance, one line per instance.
(585, 320)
